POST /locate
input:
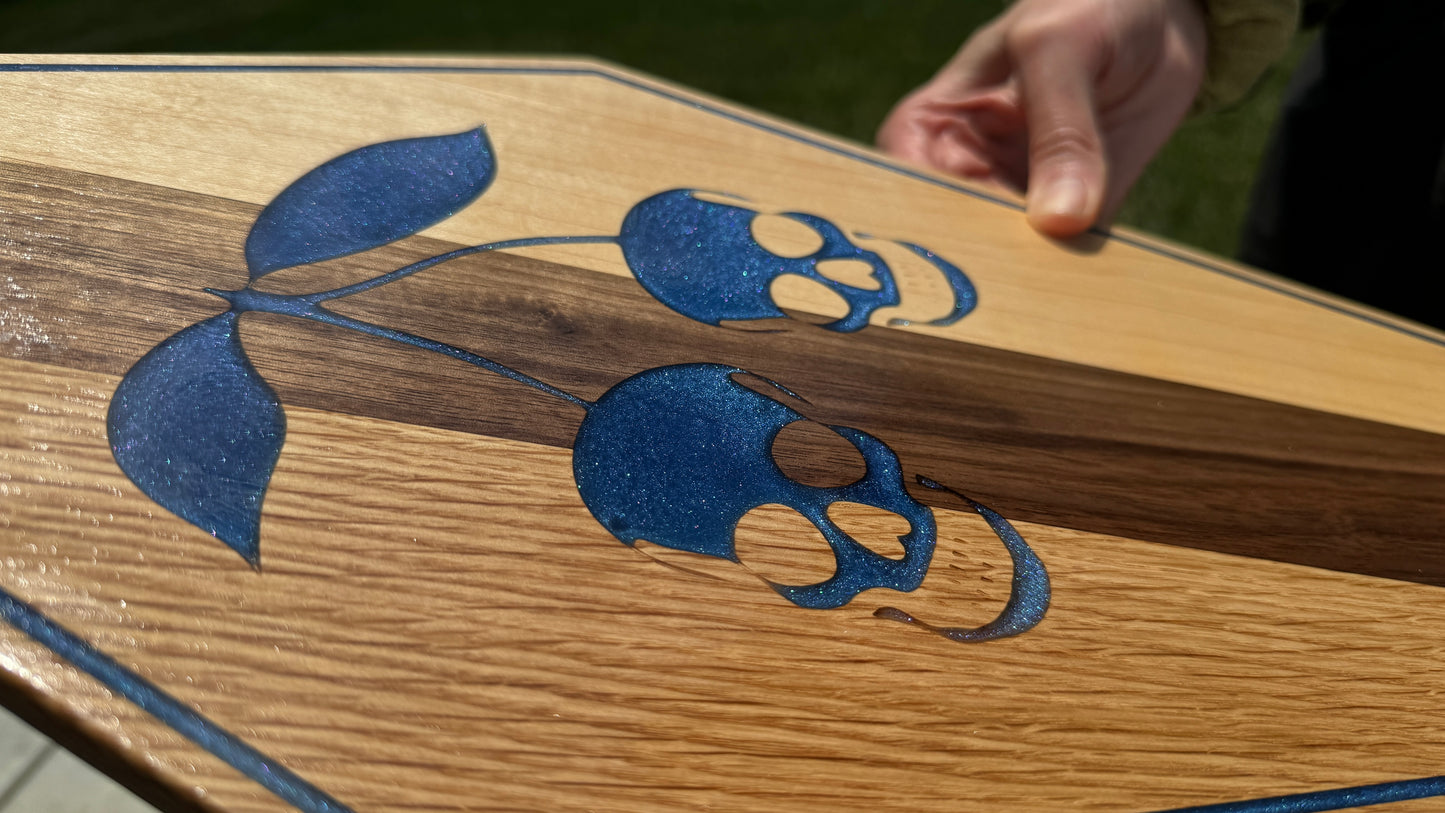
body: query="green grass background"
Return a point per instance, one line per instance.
(836, 65)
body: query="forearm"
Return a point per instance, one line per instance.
(1245, 38)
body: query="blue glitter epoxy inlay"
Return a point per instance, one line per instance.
(965, 296)
(308, 799)
(863, 158)
(154, 701)
(169, 429)
(699, 258)
(1332, 799)
(368, 198)
(1030, 592)
(195, 426)
(677, 455)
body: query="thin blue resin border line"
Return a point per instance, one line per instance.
(1334, 799)
(153, 700)
(309, 799)
(739, 118)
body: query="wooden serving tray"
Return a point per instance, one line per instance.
(437, 435)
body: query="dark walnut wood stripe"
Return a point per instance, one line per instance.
(97, 271)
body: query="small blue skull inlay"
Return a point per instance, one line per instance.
(700, 258)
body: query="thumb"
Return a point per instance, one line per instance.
(1067, 172)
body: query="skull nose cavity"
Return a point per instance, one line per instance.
(807, 300)
(853, 273)
(876, 529)
(785, 236)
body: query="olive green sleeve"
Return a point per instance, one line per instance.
(1245, 37)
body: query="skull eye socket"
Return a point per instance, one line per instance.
(781, 545)
(785, 236)
(814, 455)
(807, 300)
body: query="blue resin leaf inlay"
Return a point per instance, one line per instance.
(370, 197)
(195, 426)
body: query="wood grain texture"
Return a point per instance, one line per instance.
(1038, 439)
(506, 642)
(439, 623)
(579, 144)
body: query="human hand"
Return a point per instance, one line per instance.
(1068, 100)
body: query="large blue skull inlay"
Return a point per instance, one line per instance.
(677, 455)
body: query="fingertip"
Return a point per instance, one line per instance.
(1063, 208)
(1058, 226)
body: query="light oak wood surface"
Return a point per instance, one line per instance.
(1236, 484)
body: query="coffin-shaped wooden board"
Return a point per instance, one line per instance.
(437, 435)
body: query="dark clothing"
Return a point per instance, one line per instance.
(1351, 191)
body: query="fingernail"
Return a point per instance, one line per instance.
(1065, 197)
